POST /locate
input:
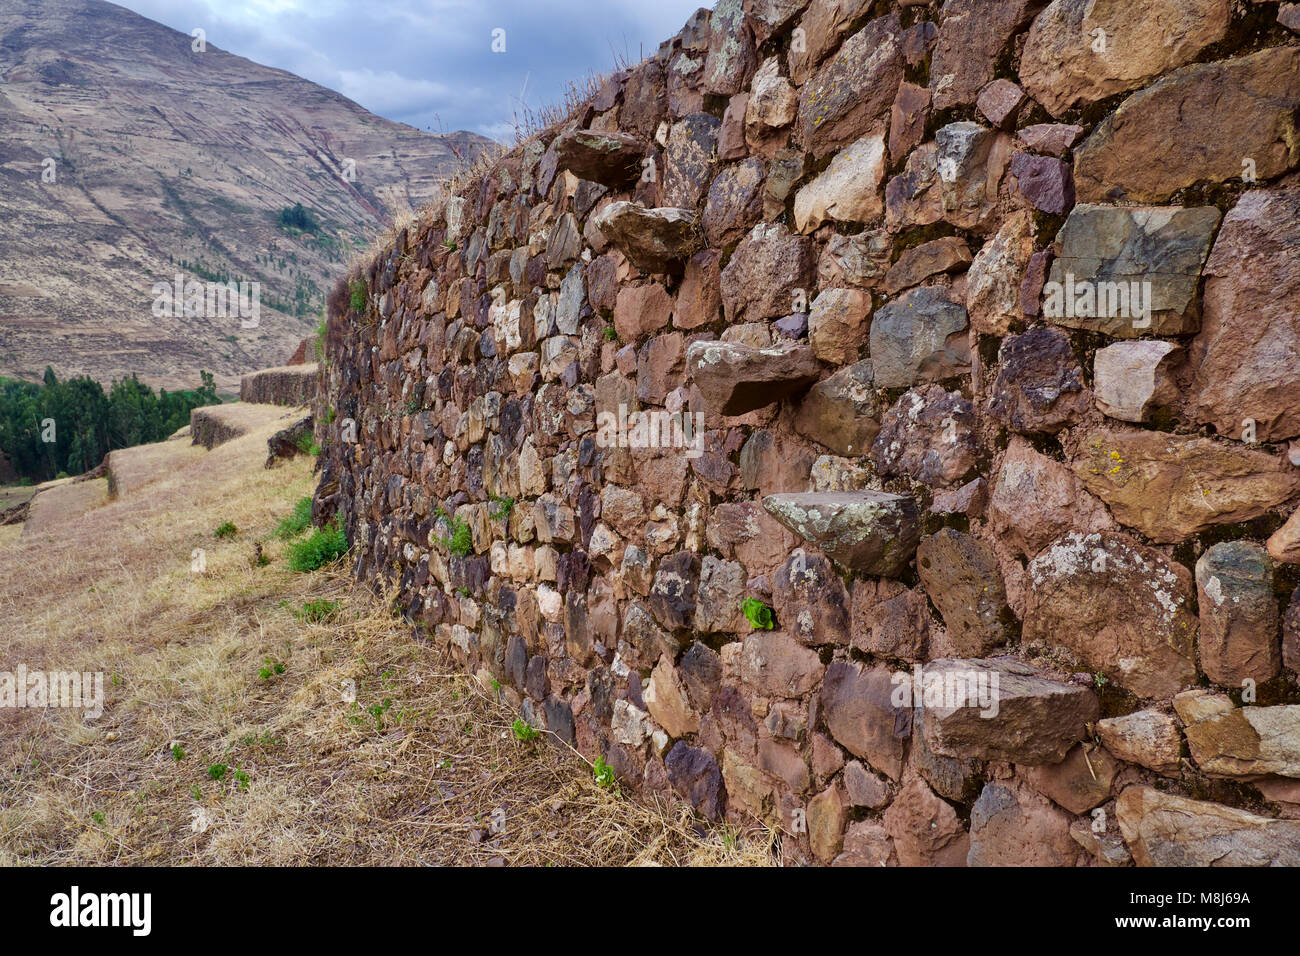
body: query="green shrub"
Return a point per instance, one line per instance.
(226, 529)
(603, 772)
(299, 520)
(307, 444)
(504, 506)
(758, 614)
(461, 542)
(525, 731)
(321, 547)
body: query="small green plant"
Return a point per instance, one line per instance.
(241, 779)
(461, 541)
(377, 711)
(297, 522)
(449, 245)
(178, 752)
(1100, 680)
(525, 731)
(357, 294)
(318, 344)
(217, 770)
(496, 685)
(226, 529)
(307, 444)
(329, 415)
(196, 792)
(321, 547)
(462, 591)
(505, 504)
(98, 817)
(269, 669)
(603, 772)
(313, 612)
(414, 405)
(611, 334)
(758, 614)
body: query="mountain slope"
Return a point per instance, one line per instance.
(166, 160)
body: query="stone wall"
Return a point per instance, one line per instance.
(293, 384)
(988, 311)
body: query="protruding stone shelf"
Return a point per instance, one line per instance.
(611, 159)
(873, 532)
(734, 378)
(654, 240)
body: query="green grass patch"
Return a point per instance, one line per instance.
(323, 546)
(299, 520)
(313, 612)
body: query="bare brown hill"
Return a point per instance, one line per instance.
(127, 157)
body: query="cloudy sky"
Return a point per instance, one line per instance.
(430, 63)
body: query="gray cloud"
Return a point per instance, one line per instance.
(430, 63)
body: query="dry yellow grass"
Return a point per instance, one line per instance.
(57, 503)
(130, 469)
(326, 782)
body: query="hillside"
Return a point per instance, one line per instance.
(166, 160)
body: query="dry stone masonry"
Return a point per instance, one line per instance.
(957, 343)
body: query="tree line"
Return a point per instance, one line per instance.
(67, 427)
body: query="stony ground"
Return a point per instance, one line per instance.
(217, 669)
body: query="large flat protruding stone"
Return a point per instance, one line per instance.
(1000, 709)
(734, 378)
(611, 159)
(655, 240)
(873, 532)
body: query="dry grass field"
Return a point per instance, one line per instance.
(215, 669)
